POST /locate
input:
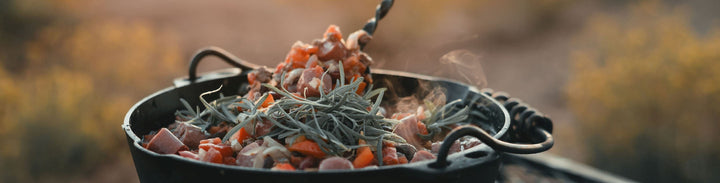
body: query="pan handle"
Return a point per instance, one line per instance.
(530, 131)
(220, 53)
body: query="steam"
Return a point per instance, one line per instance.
(459, 65)
(464, 66)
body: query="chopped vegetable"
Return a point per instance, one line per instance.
(284, 166)
(212, 156)
(308, 148)
(364, 156)
(240, 136)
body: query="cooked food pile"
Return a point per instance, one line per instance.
(315, 111)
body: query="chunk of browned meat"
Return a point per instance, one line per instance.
(408, 129)
(310, 81)
(335, 163)
(262, 75)
(422, 155)
(189, 134)
(331, 49)
(164, 142)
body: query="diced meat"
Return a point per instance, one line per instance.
(335, 163)
(353, 66)
(422, 155)
(291, 79)
(263, 128)
(146, 138)
(260, 75)
(408, 129)
(308, 162)
(310, 82)
(453, 149)
(189, 134)
(246, 156)
(331, 49)
(164, 142)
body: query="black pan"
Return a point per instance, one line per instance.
(478, 164)
(509, 120)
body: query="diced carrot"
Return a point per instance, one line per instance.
(309, 148)
(299, 139)
(213, 156)
(422, 128)
(225, 150)
(333, 31)
(240, 135)
(390, 156)
(361, 88)
(284, 166)
(215, 140)
(279, 68)
(229, 160)
(364, 156)
(297, 56)
(188, 154)
(268, 101)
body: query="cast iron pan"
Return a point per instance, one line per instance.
(491, 120)
(478, 164)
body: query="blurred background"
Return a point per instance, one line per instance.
(632, 86)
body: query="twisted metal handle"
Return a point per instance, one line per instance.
(530, 131)
(380, 12)
(523, 117)
(494, 143)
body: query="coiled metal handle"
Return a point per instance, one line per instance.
(523, 118)
(530, 131)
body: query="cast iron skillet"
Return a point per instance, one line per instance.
(491, 120)
(478, 164)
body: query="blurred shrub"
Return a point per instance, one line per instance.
(646, 90)
(60, 116)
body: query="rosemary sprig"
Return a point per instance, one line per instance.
(335, 121)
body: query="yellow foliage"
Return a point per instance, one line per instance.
(645, 87)
(64, 109)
